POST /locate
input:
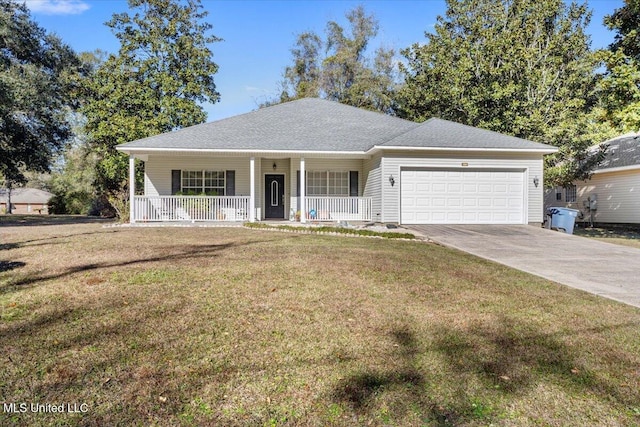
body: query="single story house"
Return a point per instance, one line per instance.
(612, 195)
(318, 160)
(25, 200)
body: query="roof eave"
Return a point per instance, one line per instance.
(617, 169)
(295, 153)
(549, 150)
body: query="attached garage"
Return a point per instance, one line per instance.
(462, 196)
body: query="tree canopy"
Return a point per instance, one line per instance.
(36, 84)
(620, 87)
(520, 67)
(338, 68)
(626, 22)
(158, 81)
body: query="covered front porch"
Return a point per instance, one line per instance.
(226, 188)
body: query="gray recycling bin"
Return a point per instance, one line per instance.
(562, 218)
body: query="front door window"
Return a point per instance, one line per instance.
(274, 196)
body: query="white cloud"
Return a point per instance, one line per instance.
(57, 7)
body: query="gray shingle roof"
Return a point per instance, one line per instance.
(446, 134)
(309, 124)
(623, 151)
(313, 124)
(25, 195)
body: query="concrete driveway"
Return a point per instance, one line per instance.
(605, 269)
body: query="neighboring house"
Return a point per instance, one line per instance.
(313, 159)
(25, 200)
(614, 187)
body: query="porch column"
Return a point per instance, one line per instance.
(252, 191)
(132, 189)
(303, 207)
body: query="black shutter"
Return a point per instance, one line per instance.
(175, 181)
(230, 183)
(297, 183)
(353, 183)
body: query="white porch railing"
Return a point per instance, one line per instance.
(191, 208)
(338, 208)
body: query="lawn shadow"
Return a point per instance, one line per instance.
(506, 357)
(176, 253)
(513, 357)
(170, 253)
(359, 391)
(18, 220)
(10, 265)
(49, 240)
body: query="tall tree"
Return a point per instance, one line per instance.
(158, 81)
(72, 176)
(626, 22)
(36, 72)
(521, 67)
(343, 72)
(304, 75)
(620, 86)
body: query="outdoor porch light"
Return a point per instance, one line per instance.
(276, 166)
(536, 181)
(391, 180)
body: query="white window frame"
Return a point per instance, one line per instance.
(203, 181)
(327, 183)
(570, 194)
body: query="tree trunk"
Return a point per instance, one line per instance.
(8, 198)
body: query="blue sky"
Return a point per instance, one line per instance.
(259, 34)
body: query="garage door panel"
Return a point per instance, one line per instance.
(484, 202)
(423, 186)
(462, 197)
(500, 188)
(423, 203)
(439, 187)
(438, 202)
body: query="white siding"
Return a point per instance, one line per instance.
(618, 196)
(373, 185)
(157, 177)
(328, 164)
(392, 163)
(157, 181)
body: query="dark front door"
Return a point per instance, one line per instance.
(274, 196)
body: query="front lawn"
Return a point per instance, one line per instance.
(626, 236)
(230, 326)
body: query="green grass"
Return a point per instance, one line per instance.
(626, 236)
(329, 229)
(217, 326)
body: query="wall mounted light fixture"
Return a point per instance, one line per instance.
(275, 166)
(536, 181)
(392, 181)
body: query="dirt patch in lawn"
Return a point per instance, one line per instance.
(217, 326)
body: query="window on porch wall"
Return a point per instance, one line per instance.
(571, 194)
(207, 182)
(327, 183)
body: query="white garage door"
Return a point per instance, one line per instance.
(462, 197)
